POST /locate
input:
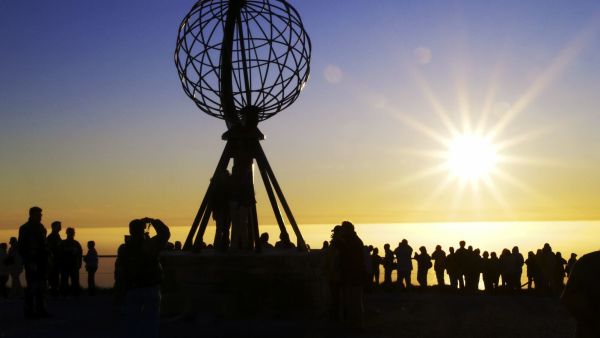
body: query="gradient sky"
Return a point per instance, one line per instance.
(96, 129)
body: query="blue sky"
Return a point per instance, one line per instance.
(95, 124)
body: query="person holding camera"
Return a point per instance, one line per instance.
(138, 274)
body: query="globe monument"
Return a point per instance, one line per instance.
(243, 61)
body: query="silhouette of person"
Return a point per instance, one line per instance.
(471, 268)
(54, 263)
(486, 269)
(3, 270)
(559, 272)
(177, 246)
(333, 271)
(353, 276)
(34, 251)
(494, 270)
(71, 255)
(169, 247)
(571, 263)
(264, 241)
(538, 278)
(388, 264)
(376, 261)
(507, 268)
(221, 213)
(138, 274)
(423, 265)
(404, 261)
(325, 245)
(15, 267)
(368, 267)
(518, 262)
(533, 270)
(452, 268)
(477, 269)
(91, 266)
(547, 262)
(439, 256)
(461, 263)
(582, 295)
(284, 242)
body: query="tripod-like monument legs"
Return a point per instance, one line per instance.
(243, 147)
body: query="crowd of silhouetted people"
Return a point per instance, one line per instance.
(51, 264)
(351, 267)
(465, 267)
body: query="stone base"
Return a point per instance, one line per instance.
(270, 284)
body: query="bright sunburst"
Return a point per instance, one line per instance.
(471, 157)
(473, 150)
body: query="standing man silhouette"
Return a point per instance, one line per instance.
(461, 257)
(71, 257)
(54, 268)
(34, 251)
(91, 265)
(404, 260)
(439, 256)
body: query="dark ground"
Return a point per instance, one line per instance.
(389, 314)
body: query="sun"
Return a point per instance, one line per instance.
(471, 157)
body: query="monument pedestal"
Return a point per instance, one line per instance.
(270, 284)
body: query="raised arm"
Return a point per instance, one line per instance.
(162, 232)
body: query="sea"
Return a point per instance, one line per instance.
(567, 237)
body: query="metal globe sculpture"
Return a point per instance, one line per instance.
(242, 61)
(234, 54)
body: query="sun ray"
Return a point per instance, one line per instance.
(463, 101)
(560, 62)
(533, 161)
(418, 126)
(518, 184)
(439, 190)
(458, 194)
(440, 168)
(438, 108)
(383, 106)
(497, 196)
(489, 99)
(435, 154)
(519, 139)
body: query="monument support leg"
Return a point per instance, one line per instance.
(269, 188)
(286, 208)
(254, 229)
(190, 237)
(205, 207)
